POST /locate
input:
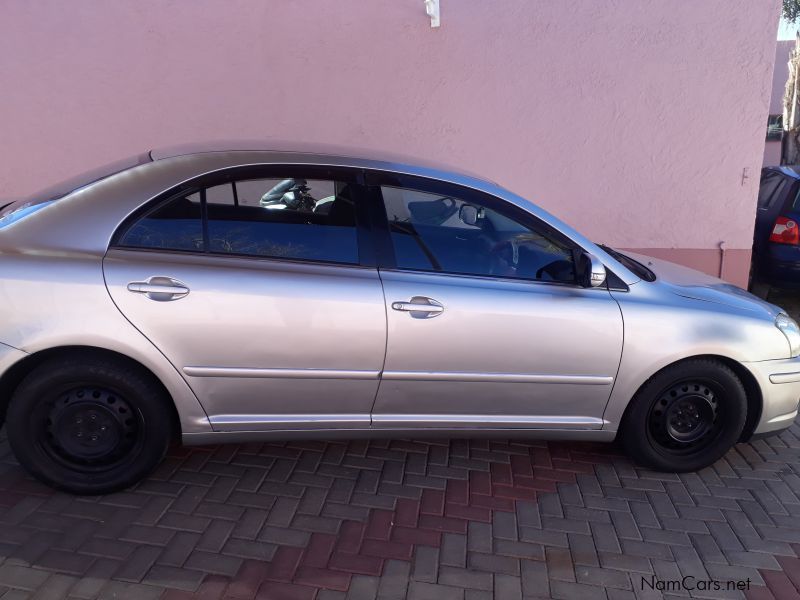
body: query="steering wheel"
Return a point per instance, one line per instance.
(558, 270)
(504, 257)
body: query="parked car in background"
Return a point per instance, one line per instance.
(776, 241)
(233, 296)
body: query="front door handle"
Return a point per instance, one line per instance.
(160, 289)
(420, 307)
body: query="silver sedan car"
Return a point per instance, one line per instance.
(241, 295)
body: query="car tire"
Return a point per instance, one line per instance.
(686, 417)
(89, 424)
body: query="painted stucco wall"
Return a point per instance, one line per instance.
(772, 149)
(772, 153)
(634, 120)
(779, 75)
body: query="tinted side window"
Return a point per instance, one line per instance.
(770, 190)
(431, 232)
(279, 218)
(175, 225)
(284, 218)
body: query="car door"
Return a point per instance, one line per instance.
(256, 284)
(486, 325)
(771, 200)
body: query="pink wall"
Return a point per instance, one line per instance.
(780, 75)
(627, 118)
(772, 153)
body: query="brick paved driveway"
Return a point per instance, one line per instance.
(408, 519)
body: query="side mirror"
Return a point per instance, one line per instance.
(468, 214)
(591, 272)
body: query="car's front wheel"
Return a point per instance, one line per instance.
(89, 424)
(686, 417)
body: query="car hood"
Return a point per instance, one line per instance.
(693, 284)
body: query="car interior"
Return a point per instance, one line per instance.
(429, 232)
(445, 234)
(253, 229)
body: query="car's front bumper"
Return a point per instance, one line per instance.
(779, 381)
(785, 275)
(779, 266)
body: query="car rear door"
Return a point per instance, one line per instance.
(273, 314)
(772, 195)
(486, 325)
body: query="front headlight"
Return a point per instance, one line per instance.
(791, 330)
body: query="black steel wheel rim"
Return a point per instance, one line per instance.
(686, 417)
(88, 428)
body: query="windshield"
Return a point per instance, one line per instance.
(633, 266)
(54, 192)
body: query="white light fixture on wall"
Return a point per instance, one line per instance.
(432, 8)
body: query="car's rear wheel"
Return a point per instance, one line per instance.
(89, 424)
(685, 417)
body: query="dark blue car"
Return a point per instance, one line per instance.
(776, 243)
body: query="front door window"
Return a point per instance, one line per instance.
(444, 233)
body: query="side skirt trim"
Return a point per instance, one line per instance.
(282, 421)
(497, 377)
(279, 373)
(456, 376)
(414, 421)
(487, 421)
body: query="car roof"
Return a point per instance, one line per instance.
(308, 152)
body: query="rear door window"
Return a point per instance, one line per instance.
(770, 190)
(285, 217)
(294, 218)
(177, 224)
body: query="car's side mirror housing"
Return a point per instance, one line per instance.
(591, 272)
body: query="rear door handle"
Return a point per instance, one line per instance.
(420, 307)
(160, 289)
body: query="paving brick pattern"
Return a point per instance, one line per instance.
(455, 519)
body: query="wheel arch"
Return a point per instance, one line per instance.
(752, 390)
(13, 376)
